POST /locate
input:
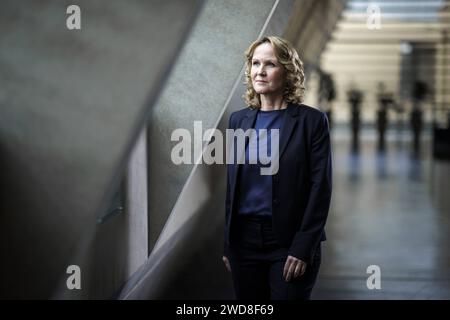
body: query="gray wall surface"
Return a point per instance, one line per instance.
(72, 103)
(197, 89)
(136, 206)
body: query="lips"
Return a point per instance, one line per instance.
(260, 81)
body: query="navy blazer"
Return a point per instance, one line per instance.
(301, 189)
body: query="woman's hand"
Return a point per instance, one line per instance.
(227, 263)
(293, 268)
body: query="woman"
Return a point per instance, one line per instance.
(275, 223)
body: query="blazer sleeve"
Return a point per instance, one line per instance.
(307, 238)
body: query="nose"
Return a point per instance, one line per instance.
(261, 71)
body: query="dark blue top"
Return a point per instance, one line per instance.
(255, 196)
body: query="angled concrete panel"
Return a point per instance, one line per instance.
(72, 103)
(198, 88)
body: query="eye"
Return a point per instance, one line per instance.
(255, 63)
(271, 64)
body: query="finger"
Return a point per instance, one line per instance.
(227, 263)
(291, 271)
(286, 268)
(303, 269)
(297, 271)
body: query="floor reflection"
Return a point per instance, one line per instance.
(389, 209)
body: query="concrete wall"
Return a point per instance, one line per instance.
(197, 89)
(136, 206)
(310, 27)
(72, 104)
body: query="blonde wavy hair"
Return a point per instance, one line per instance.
(287, 56)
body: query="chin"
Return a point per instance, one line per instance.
(260, 91)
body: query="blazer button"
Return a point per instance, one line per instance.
(276, 179)
(275, 201)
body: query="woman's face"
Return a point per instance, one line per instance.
(268, 75)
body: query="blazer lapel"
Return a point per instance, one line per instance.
(290, 122)
(247, 123)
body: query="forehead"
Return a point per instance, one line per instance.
(264, 51)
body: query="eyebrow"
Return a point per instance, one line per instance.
(268, 60)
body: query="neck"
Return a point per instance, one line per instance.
(272, 103)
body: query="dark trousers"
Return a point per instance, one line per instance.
(257, 263)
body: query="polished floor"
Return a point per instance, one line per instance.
(390, 209)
